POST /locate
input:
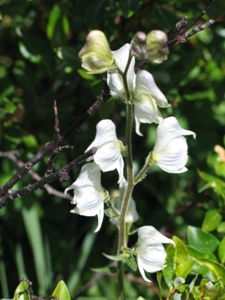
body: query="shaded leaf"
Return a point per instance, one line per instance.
(128, 7)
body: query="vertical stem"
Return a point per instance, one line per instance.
(123, 238)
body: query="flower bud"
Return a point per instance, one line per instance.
(156, 46)
(96, 55)
(138, 45)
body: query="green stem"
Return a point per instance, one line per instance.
(123, 235)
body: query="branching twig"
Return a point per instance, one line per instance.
(105, 95)
(182, 27)
(12, 194)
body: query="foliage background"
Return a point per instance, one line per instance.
(39, 42)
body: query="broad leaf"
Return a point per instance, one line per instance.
(184, 269)
(221, 250)
(204, 242)
(212, 220)
(22, 291)
(128, 7)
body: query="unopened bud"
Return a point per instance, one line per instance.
(138, 45)
(156, 46)
(96, 55)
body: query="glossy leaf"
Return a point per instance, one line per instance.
(212, 220)
(184, 269)
(217, 271)
(204, 242)
(61, 291)
(221, 227)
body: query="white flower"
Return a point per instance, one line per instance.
(147, 98)
(114, 78)
(131, 215)
(89, 195)
(150, 252)
(170, 150)
(108, 156)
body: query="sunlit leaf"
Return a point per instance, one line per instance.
(61, 291)
(22, 292)
(184, 269)
(213, 182)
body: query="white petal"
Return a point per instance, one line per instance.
(142, 271)
(116, 86)
(100, 219)
(174, 157)
(152, 258)
(146, 111)
(105, 132)
(107, 156)
(151, 236)
(121, 56)
(145, 84)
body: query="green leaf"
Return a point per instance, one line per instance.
(58, 27)
(184, 269)
(221, 227)
(22, 292)
(212, 220)
(204, 242)
(216, 270)
(69, 55)
(169, 270)
(61, 291)
(128, 7)
(213, 182)
(181, 251)
(28, 51)
(115, 257)
(221, 250)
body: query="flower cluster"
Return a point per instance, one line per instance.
(139, 90)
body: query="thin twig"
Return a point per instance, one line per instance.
(12, 194)
(105, 95)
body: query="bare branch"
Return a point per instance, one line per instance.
(12, 194)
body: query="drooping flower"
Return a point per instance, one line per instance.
(170, 150)
(96, 55)
(147, 97)
(150, 252)
(114, 78)
(108, 156)
(89, 195)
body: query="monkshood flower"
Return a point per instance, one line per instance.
(170, 150)
(150, 252)
(108, 156)
(114, 78)
(89, 195)
(147, 98)
(96, 55)
(131, 215)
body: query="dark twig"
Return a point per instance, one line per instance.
(181, 27)
(105, 95)
(12, 155)
(12, 194)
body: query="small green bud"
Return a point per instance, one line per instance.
(156, 46)
(96, 55)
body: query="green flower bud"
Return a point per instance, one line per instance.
(156, 46)
(96, 55)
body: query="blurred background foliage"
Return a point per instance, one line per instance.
(39, 45)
